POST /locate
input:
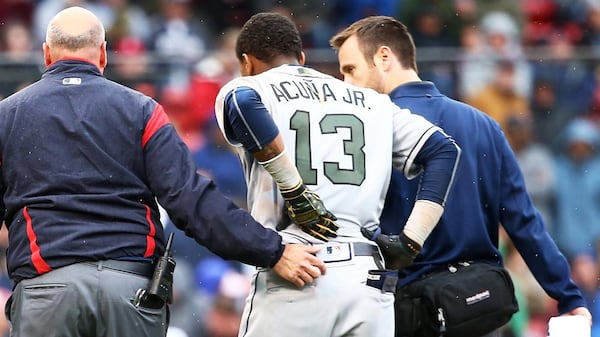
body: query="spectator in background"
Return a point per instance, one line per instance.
(591, 27)
(584, 271)
(564, 70)
(577, 227)
(190, 305)
(502, 41)
(217, 159)
(180, 39)
(221, 64)
(19, 67)
(177, 101)
(46, 9)
(224, 315)
(584, 268)
(435, 26)
(470, 65)
(546, 18)
(549, 117)
(434, 23)
(131, 66)
(536, 163)
(16, 10)
(125, 21)
(535, 306)
(208, 298)
(213, 70)
(593, 110)
(315, 20)
(499, 98)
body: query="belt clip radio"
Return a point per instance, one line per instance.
(160, 290)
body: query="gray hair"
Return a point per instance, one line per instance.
(58, 38)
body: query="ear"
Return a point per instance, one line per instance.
(47, 56)
(383, 58)
(103, 57)
(302, 58)
(246, 65)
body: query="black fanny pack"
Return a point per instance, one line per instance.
(462, 300)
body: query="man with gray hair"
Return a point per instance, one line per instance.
(84, 161)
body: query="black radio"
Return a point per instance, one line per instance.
(160, 290)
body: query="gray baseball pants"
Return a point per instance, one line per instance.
(83, 300)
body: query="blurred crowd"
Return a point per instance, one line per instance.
(532, 65)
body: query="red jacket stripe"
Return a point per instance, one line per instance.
(150, 241)
(157, 120)
(38, 261)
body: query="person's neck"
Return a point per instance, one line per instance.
(281, 60)
(401, 77)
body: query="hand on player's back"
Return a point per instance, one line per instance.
(307, 211)
(299, 265)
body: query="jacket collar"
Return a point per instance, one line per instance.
(415, 89)
(71, 66)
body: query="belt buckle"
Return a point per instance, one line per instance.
(335, 252)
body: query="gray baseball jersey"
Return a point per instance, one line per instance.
(343, 140)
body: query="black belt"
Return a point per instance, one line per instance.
(139, 268)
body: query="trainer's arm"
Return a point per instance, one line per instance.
(527, 230)
(196, 206)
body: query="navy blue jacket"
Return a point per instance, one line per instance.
(488, 190)
(83, 161)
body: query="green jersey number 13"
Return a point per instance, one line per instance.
(300, 122)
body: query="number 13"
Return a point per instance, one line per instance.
(300, 122)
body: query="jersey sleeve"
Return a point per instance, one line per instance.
(411, 132)
(440, 157)
(196, 206)
(247, 120)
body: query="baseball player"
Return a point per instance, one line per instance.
(301, 132)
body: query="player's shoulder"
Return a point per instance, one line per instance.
(238, 82)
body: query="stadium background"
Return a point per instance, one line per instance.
(533, 65)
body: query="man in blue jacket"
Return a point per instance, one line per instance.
(378, 52)
(83, 163)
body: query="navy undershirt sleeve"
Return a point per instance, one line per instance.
(250, 123)
(439, 156)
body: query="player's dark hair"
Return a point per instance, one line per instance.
(373, 32)
(267, 36)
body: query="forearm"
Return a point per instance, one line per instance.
(422, 220)
(275, 160)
